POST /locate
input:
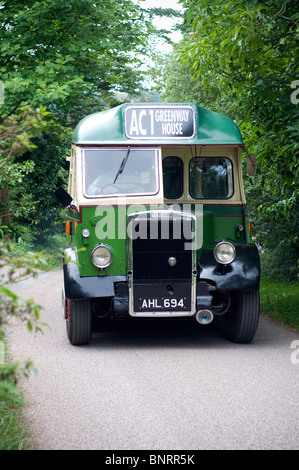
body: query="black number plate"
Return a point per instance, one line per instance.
(162, 297)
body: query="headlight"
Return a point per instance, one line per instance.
(225, 252)
(102, 256)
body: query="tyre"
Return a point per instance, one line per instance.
(78, 321)
(240, 325)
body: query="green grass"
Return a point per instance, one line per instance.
(13, 433)
(280, 300)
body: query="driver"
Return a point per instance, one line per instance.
(104, 183)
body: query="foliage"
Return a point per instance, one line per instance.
(13, 435)
(275, 235)
(11, 305)
(16, 261)
(59, 61)
(251, 49)
(279, 300)
(248, 51)
(12, 269)
(68, 55)
(182, 87)
(32, 199)
(16, 132)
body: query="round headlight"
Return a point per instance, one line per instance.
(225, 252)
(102, 256)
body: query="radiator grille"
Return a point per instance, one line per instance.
(150, 255)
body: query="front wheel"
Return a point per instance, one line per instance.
(240, 326)
(78, 321)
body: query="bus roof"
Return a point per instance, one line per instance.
(157, 124)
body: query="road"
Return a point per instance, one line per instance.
(173, 386)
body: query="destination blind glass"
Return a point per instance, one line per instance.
(163, 122)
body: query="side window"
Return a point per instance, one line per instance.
(173, 176)
(210, 178)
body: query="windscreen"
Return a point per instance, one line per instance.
(121, 171)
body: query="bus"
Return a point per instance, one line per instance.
(157, 224)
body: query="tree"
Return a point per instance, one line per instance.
(13, 306)
(250, 48)
(33, 203)
(68, 54)
(176, 84)
(16, 132)
(68, 57)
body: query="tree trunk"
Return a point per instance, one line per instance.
(4, 207)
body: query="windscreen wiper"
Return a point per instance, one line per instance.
(123, 164)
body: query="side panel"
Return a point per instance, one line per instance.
(219, 222)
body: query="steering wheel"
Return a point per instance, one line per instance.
(127, 183)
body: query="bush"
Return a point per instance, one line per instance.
(274, 233)
(13, 434)
(280, 263)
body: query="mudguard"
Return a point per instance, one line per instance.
(242, 274)
(77, 287)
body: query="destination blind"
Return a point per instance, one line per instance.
(161, 122)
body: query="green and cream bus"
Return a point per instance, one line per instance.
(157, 222)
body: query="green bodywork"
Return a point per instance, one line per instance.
(108, 126)
(219, 222)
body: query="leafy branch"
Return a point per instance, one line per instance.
(12, 306)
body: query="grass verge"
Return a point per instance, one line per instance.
(280, 300)
(14, 435)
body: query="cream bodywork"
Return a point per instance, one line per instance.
(186, 153)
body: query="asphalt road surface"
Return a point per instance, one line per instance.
(169, 386)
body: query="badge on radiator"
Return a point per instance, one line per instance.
(172, 261)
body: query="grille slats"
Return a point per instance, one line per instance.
(150, 255)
